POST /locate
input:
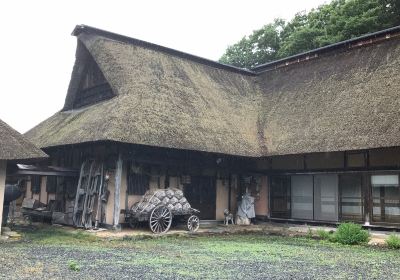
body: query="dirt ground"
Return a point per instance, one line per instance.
(59, 253)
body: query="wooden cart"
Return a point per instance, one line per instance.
(160, 217)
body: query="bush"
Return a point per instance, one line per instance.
(351, 234)
(73, 265)
(393, 241)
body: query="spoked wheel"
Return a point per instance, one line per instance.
(193, 223)
(160, 219)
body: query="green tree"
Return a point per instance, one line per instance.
(330, 23)
(262, 45)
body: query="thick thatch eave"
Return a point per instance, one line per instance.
(14, 146)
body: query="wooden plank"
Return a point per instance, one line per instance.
(117, 192)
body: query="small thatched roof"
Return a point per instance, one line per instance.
(343, 97)
(14, 146)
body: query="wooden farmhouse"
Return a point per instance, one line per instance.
(314, 137)
(14, 147)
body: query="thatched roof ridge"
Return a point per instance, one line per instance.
(14, 146)
(88, 30)
(345, 98)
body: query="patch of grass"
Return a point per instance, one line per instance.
(53, 235)
(324, 235)
(393, 241)
(235, 256)
(309, 234)
(73, 265)
(351, 234)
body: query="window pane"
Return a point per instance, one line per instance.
(326, 197)
(36, 184)
(302, 197)
(384, 180)
(51, 184)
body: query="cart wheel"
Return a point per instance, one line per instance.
(193, 223)
(160, 219)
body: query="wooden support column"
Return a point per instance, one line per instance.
(3, 167)
(117, 192)
(366, 190)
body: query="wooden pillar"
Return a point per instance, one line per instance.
(117, 192)
(3, 167)
(366, 191)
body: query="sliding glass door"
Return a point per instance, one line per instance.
(326, 197)
(386, 198)
(302, 197)
(351, 199)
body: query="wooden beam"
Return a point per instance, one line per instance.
(117, 192)
(3, 167)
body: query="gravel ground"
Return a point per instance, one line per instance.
(256, 256)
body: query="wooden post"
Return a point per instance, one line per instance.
(117, 192)
(3, 167)
(366, 190)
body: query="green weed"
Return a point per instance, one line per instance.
(393, 241)
(73, 265)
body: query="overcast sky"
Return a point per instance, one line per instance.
(37, 51)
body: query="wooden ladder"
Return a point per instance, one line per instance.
(88, 189)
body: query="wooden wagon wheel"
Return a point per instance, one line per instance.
(160, 219)
(193, 223)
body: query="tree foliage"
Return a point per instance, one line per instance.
(330, 23)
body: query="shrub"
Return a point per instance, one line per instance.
(393, 241)
(73, 265)
(351, 234)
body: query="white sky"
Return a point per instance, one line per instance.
(37, 51)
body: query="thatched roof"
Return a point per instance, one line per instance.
(338, 98)
(342, 101)
(161, 100)
(14, 146)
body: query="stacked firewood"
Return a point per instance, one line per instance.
(172, 198)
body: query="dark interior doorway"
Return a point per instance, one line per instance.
(201, 194)
(280, 197)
